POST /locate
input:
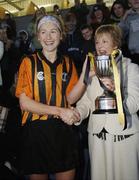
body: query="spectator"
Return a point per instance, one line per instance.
(9, 22)
(88, 44)
(31, 29)
(1, 54)
(56, 10)
(23, 43)
(10, 60)
(8, 117)
(130, 26)
(98, 17)
(43, 10)
(81, 11)
(118, 10)
(73, 40)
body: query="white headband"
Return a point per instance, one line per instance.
(49, 18)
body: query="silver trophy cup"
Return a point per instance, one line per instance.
(106, 103)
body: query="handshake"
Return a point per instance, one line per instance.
(69, 115)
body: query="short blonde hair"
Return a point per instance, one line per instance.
(113, 30)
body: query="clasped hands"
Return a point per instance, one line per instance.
(69, 115)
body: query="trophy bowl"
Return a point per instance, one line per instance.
(106, 103)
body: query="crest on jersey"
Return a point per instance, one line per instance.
(64, 76)
(40, 76)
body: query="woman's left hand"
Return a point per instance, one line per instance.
(109, 83)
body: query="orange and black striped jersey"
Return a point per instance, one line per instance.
(46, 82)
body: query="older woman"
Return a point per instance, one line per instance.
(113, 140)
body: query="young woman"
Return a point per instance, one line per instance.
(47, 86)
(113, 146)
(118, 10)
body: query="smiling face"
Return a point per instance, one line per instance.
(49, 36)
(87, 33)
(104, 44)
(134, 4)
(99, 15)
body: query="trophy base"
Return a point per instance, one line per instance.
(105, 111)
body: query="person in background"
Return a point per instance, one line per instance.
(112, 144)
(130, 27)
(73, 41)
(47, 86)
(23, 43)
(81, 11)
(8, 109)
(31, 30)
(43, 10)
(56, 10)
(88, 44)
(10, 60)
(98, 16)
(118, 10)
(9, 22)
(1, 54)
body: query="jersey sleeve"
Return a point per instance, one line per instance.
(24, 81)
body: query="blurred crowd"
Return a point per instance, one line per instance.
(80, 22)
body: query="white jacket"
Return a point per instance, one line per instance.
(97, 122)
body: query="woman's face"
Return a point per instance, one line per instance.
(118, 10)
(104, 44)
(71, 24)
(99, 15)
(49, 36)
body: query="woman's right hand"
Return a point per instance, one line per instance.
(69, 115)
